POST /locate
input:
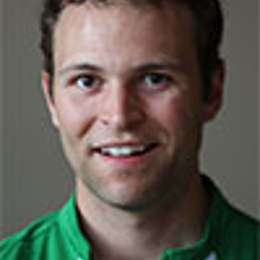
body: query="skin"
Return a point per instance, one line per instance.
(124, 78)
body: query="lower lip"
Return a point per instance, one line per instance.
(130, 161)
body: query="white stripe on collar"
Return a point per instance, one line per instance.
(212, 256)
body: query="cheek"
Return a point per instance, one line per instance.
(170, 112)
(74, 117)
(178, 120)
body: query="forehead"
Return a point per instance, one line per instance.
(122, 28)
(166, 12)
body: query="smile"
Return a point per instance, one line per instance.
(125, 150)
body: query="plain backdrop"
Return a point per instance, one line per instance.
(35, 177)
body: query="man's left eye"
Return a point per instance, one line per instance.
(155, 79)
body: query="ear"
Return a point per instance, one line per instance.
(46, 86)
(215, 99)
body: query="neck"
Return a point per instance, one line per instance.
(118, 234)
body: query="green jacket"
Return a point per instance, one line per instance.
(229, 235)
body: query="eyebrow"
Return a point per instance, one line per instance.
(160, 65)
(80, 67)
(155, 65)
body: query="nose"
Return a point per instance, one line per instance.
(122, 108)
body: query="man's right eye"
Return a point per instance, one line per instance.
(86, 82)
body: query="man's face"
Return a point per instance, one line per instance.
(128, 100)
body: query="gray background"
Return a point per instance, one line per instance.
(35, 178)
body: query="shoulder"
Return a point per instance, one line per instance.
(235, 233)
(241, 227)
(239, 234)
(243, 222)
(29, 239)
(240, 237)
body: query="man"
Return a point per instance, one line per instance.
(130, 86)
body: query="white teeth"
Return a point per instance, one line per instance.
(123, 151)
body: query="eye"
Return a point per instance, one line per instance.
(156, 80)
(86, 82)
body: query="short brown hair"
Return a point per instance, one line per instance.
(207, 15)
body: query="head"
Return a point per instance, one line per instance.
(208, 27)
(128, 95)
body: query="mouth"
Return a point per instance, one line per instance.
(125, 151)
